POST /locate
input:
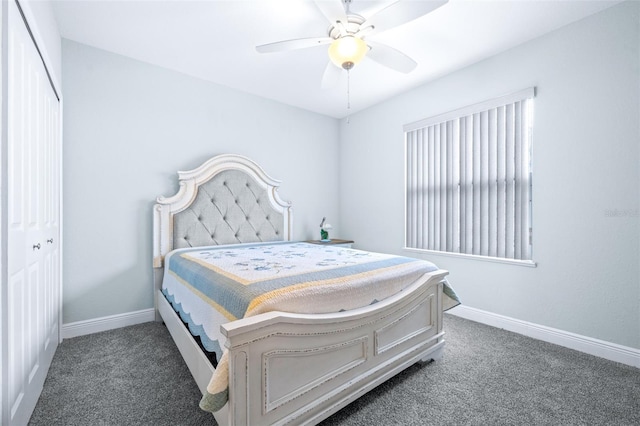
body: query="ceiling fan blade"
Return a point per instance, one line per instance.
(390, 57)
(399, 13)
(299, 43)
(333, 10)
(331, 76)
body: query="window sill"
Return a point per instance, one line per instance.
(527, 263)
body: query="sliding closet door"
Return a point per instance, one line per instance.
(33, 216)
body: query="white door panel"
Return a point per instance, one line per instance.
(33, 298)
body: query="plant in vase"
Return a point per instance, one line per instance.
(324, 230)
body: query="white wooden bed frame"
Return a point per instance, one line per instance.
(293, 368)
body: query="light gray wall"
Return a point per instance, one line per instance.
(128, 128)
(586, 162)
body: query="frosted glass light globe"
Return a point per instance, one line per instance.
(347, 51)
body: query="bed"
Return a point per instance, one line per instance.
(299, 349)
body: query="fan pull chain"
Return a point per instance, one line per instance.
(348, 94)
(348, 89)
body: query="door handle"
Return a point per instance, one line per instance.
(50, 241)
(36, 246)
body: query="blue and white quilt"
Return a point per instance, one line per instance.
(210, 286)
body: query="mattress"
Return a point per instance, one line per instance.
(210, 286)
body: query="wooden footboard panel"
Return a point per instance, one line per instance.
(299, 369)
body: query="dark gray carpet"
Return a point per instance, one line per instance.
(135, 376)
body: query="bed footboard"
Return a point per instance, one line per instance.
(293, 368)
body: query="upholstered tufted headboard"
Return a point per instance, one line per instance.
(227, 200)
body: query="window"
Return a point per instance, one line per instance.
(468, 180)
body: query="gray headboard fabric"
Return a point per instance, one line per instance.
(227, 200)
(230, 208)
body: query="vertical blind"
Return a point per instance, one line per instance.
(468, 179)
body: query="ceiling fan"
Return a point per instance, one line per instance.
(349, 36)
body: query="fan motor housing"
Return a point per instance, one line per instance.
(352, 26)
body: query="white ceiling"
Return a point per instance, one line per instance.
(215, 40)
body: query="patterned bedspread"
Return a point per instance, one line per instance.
(214, 285)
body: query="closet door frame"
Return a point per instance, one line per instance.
(31, 24)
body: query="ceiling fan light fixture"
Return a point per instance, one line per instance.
(347, 51)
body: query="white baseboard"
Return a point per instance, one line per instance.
(96, 325)
(600, 348)
(589, 345)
